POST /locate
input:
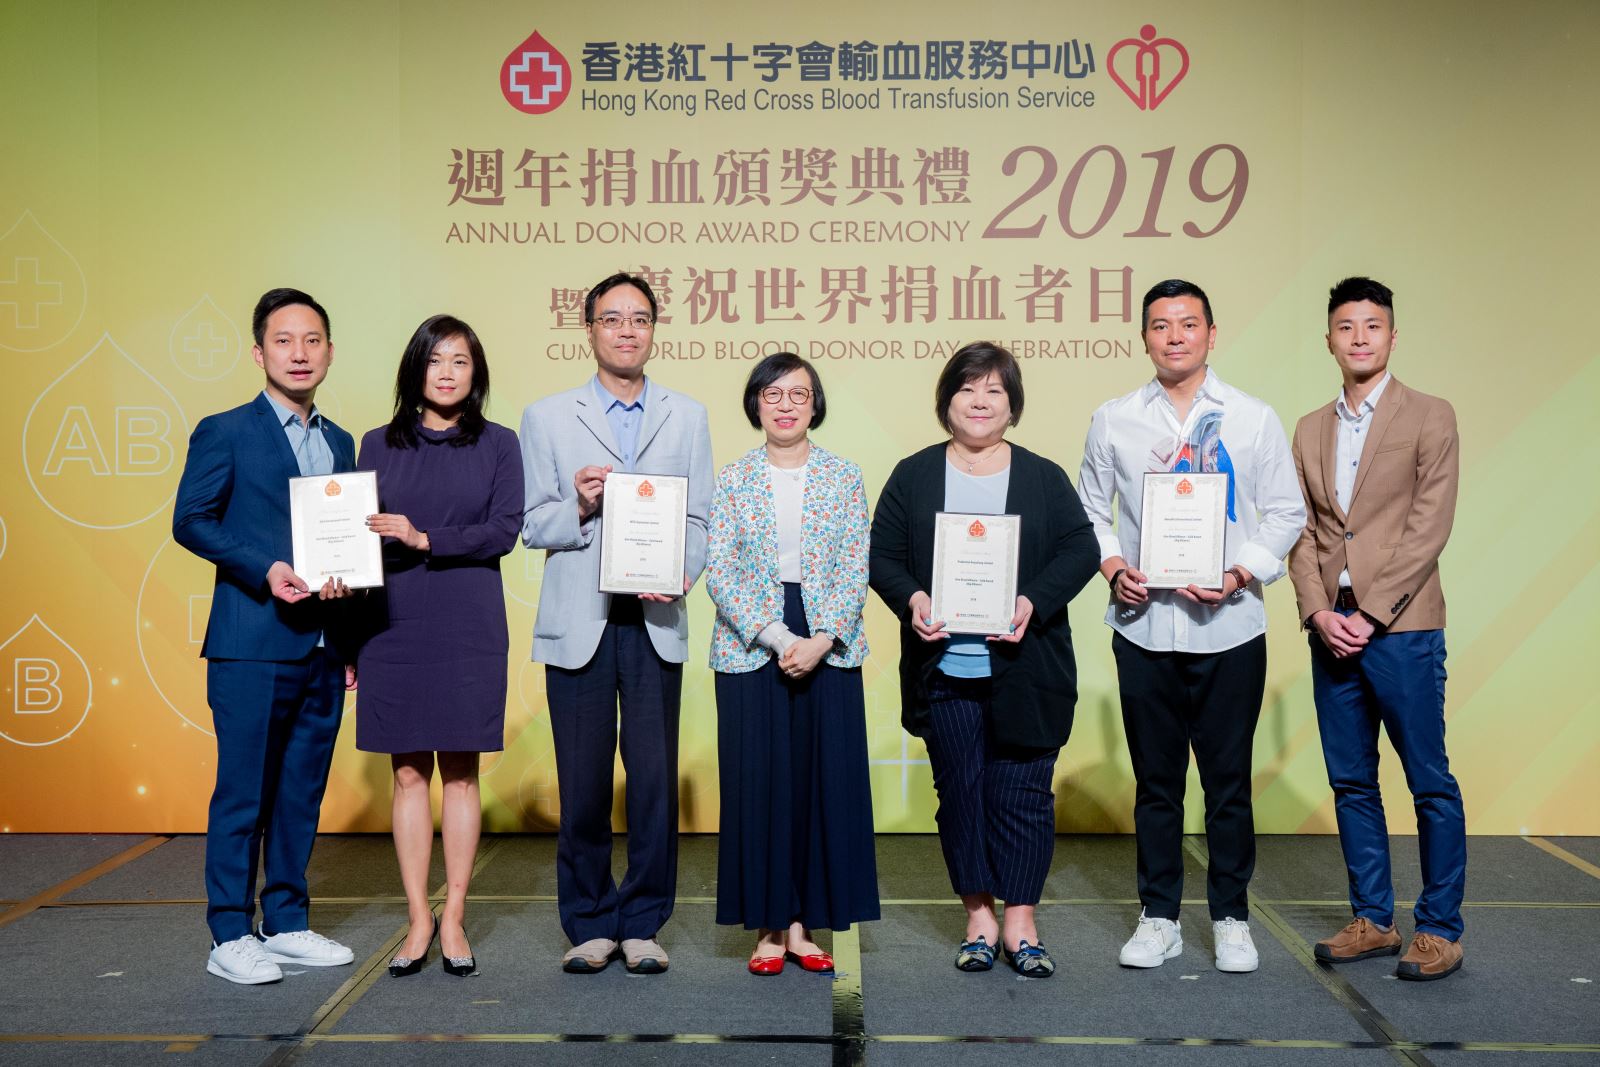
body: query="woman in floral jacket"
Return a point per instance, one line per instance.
(787, 570)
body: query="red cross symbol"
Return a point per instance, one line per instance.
(535, 78)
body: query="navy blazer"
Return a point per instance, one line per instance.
(1035, 681)
(233, 510)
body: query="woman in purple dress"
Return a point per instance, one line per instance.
(433, 676)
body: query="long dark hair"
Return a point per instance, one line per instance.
(413, 375)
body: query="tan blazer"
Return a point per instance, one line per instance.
(1401, 510)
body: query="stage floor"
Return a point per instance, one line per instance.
(103, 943)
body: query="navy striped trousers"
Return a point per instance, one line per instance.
(997, 814)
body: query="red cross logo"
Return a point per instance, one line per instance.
(535, 78)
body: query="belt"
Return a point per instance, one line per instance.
(1346, 600)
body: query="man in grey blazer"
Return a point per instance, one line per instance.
(600, 649)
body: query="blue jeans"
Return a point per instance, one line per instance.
(1397, 681)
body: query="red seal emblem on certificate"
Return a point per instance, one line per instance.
(1184, 487)
(977, 529)
(332, 488)
(646, 490)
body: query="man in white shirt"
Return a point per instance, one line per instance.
(1191, 662)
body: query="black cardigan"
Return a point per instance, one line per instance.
(1036, 679)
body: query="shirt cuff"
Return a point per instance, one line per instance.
(777, 637)
(1261, 564)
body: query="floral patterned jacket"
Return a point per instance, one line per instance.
(742, 559)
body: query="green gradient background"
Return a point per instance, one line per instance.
(180, 151)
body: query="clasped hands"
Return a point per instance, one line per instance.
(930, 629)
(802, 657)
(1345, 635)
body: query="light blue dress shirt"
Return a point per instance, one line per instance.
(310, 447)
(624, 419)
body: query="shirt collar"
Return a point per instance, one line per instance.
(285, 416)
(609, 400)
(1212, 388)
(1368, 405)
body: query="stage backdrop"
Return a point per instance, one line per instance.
(869, 186)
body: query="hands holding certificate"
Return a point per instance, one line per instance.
(930, 629)
(1128, 584)
(290, 588)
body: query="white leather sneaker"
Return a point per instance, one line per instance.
(1154, 942)
(307, 948)
(244, 961)
(1236, 952)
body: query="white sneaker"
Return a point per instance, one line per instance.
(1154, 942)
(1236, 953)
(307, 948)
(244, 961)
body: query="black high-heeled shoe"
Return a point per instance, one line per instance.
(402, 966)
(460, 966)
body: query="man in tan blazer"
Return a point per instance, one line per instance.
(1379, 470)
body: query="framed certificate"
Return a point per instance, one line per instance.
(328, 522)
(975, 571)
(642, 524)
(1181, 529)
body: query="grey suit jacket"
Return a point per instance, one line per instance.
(563, 433)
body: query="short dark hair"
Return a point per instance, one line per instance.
(273, 299)
(606, 285)
(970, 363)
(413, 375)
(1356, 289)
(1171, 289)
(768, 371)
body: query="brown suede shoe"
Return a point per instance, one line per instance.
(1430, 957)
(1361, 940)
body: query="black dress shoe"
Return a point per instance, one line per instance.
(403, 966)
(460, 966)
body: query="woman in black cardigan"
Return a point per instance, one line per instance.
(993, 712)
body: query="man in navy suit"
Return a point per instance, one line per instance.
(274, 680)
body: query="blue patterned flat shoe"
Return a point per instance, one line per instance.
(975, 956)
(1031, 961)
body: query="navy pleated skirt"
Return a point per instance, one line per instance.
(796, 837)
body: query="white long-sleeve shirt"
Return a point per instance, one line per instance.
(1141, 432)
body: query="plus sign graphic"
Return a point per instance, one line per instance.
(535, 78)
(205, 346)
(25, 292)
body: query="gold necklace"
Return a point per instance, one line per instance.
(972, 463)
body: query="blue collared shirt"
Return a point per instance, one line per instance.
(310, 447)
(306, 441)
(625, 419)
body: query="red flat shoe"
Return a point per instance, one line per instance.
(765, 965)
(816, 962)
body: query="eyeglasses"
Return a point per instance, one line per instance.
(613, 321)
(773, 396)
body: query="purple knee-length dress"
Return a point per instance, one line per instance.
(432, 674)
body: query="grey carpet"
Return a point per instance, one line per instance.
(1517, 984)
(913, 988)
(32, 863)
(521, 988)
(142, 970)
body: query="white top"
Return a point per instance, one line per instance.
(788, 493)
(1353, 430)
(788, 490)
(1227, 430)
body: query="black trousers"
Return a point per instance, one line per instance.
(625, 673)
(1210, 701)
